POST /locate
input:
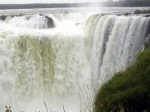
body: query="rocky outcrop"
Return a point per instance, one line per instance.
(50, 22)
(3, 17)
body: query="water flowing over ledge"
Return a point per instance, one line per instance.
(64, 64)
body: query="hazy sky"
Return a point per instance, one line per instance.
(44, 1)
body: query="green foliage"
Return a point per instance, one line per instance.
(127, 91)
(141, 11)
(147, 45)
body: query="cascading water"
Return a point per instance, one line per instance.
(62, 61)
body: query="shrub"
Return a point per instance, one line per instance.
(142, 11)
(147, 45)
(128, 91)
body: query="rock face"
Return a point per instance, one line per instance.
(40, 21)
(3, 17)
(50, 22)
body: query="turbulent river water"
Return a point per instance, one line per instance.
(59, 60)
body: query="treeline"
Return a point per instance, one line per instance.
(110, 3)
(128, 3)
(41, 5)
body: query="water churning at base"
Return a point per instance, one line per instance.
(65, 64)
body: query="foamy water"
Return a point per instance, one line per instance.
(64, 66)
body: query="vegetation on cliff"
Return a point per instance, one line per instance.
(142, 11)
(127, 91)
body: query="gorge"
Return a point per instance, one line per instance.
(63, 58)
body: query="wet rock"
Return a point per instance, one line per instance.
(3, 17)
(147, 15)
(50, 22)
(126, 14)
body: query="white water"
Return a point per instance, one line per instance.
(63, 66)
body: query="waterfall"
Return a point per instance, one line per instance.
(63, 58)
